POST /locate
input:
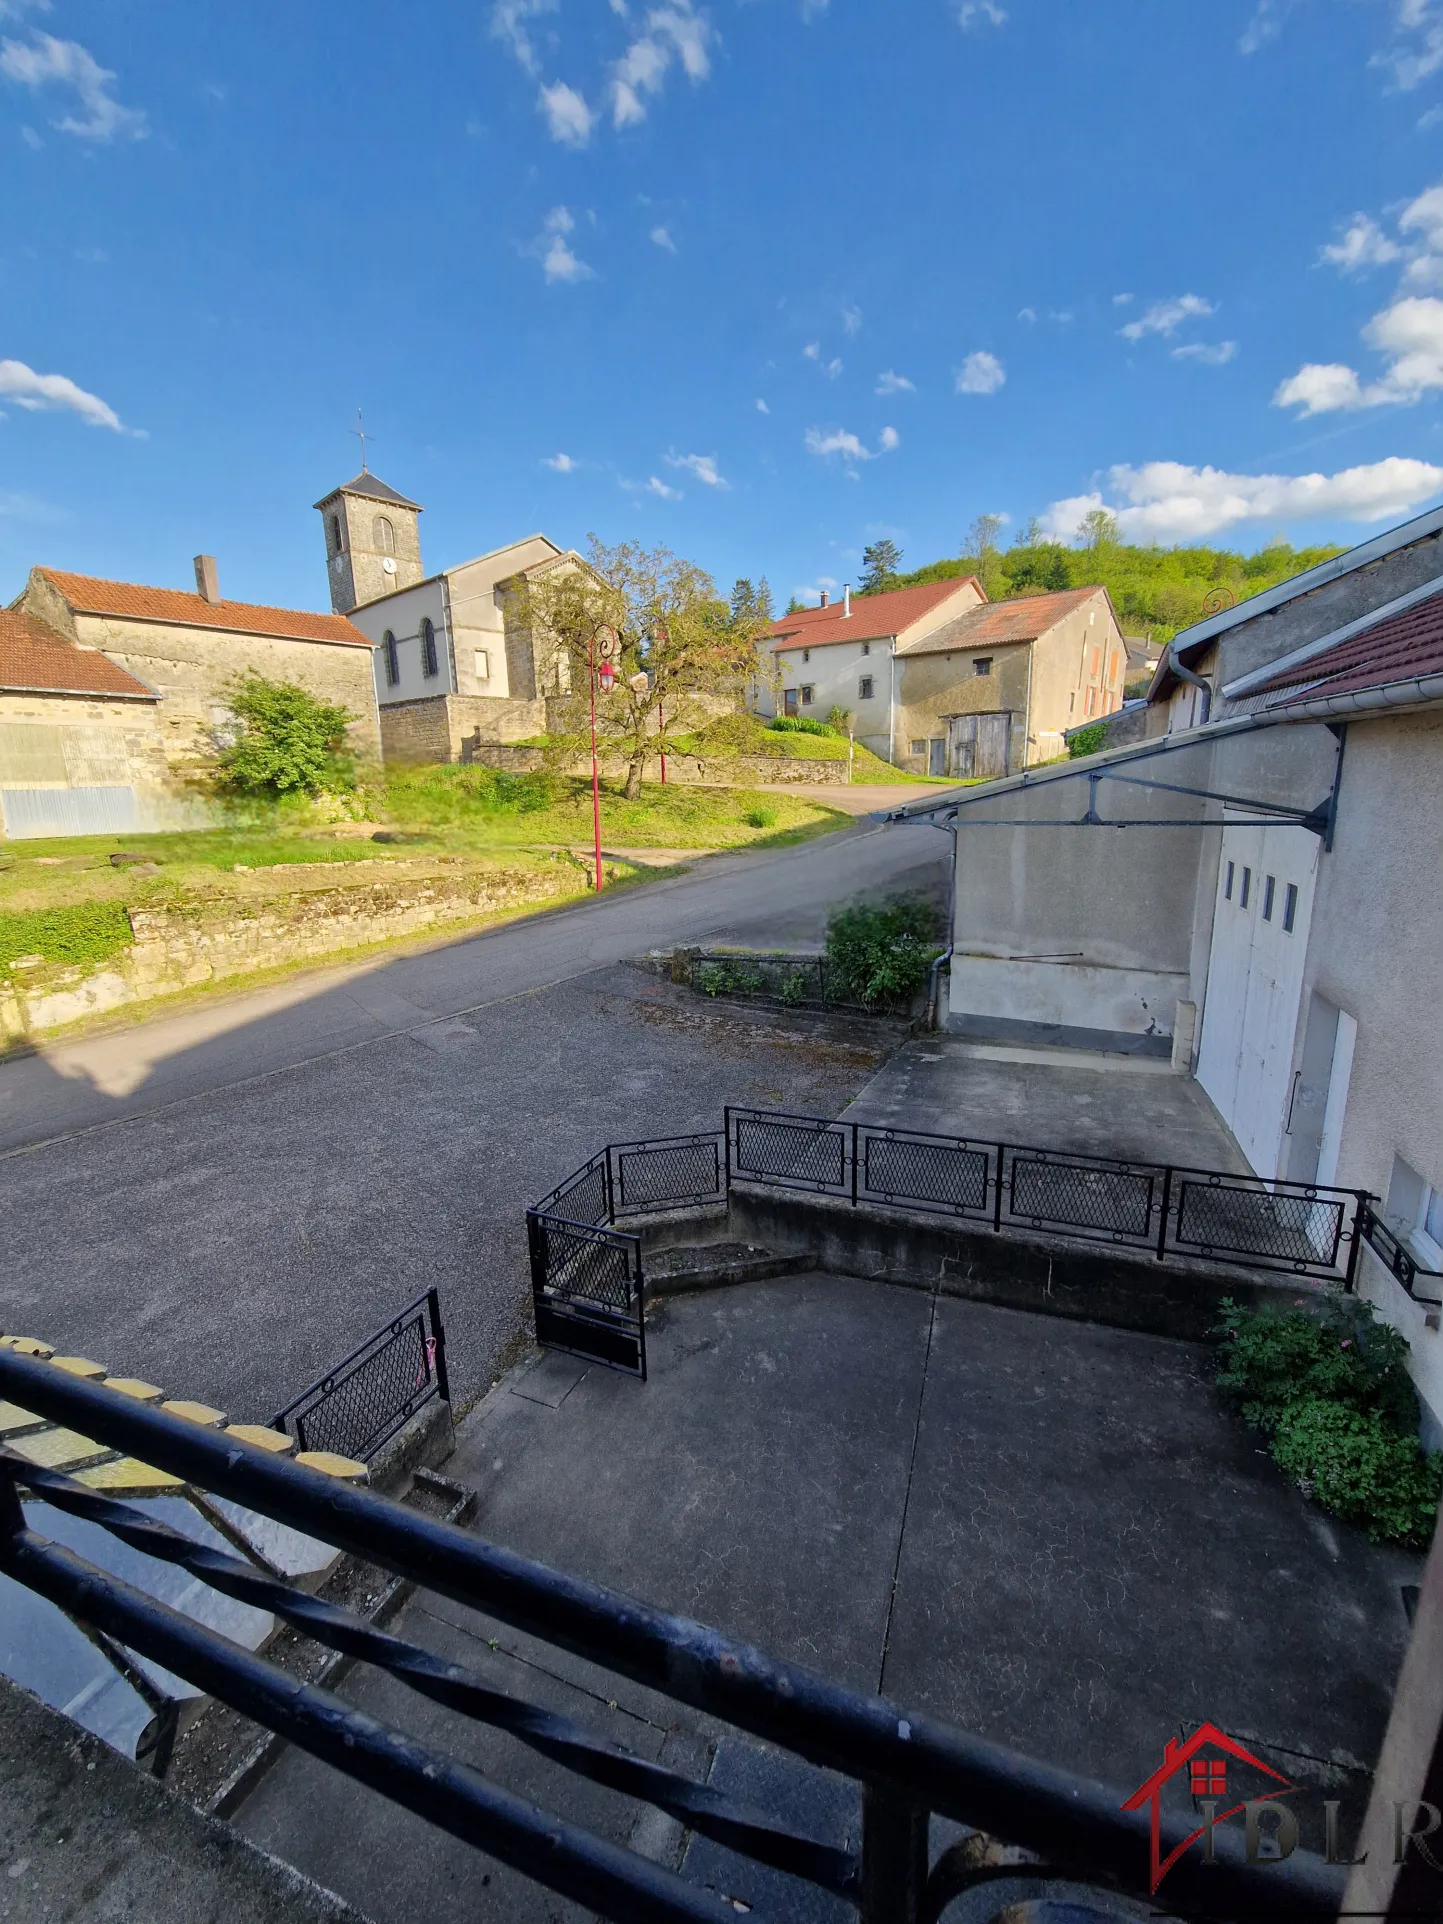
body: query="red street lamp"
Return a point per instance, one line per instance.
(606, 675)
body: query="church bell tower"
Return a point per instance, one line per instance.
(373, 541)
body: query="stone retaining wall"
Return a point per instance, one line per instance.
(185, 947)
(738, 771)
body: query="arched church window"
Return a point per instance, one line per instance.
(383, 535)
(335, 534)
(428, 648)
(393, 666)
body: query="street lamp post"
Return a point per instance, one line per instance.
(606, 675)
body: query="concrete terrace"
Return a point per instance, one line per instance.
(1048, 1532)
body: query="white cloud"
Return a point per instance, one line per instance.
(1167, 501)
(762, 407)
(890, 383)
(851, 320)
(44, 393)
(1063, 316)
(1028, 314)
(662, 238)
(1362, 244)
(1165, 317)
(568, 118)
(1209, 354)
(1122, 300)
(1265, 25)
(980, 373)
(703, 466)
(31, 138)
(657, 486)
(553, 249)
(46, 61)
(980, 13)
(1412, 61)
(509, 20)
(1409, 334)
(833, 368)
(561, 464)
(812, 351)
(672, 32)
(825, 442)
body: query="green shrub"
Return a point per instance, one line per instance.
(83, 932)
(291, 743)
(730, 978)
(760, 817)
(450, 795)
(879, 956)
(799, 725)
(1328, 1384)
(1361, 1467)
(1336, 1350)
(1087, 741)
(839, 719)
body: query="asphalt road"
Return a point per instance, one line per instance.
(225, 1201)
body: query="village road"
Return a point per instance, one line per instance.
(226, 1200)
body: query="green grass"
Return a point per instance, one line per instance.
(77, 932)
(748, 735)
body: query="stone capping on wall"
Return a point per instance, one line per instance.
(738, 771)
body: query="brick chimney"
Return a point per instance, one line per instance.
(207, 581)
(824, 600)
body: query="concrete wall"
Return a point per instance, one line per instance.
(1374, 952)
(194, 669)
(1079, 669)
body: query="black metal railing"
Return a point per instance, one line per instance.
(360, 1404)
(908, 1765)
(1400, 1261)
(588, 1276)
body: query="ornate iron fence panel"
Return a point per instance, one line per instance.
(1088, 1196)
(1297, 1227)
(791, 1152)
(584, 1197)
(359, 1405)
(587, 1292)
(1396, 1259)
(678, 1172)
(914, 1171)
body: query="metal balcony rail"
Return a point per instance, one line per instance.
(908, 1765)
(1399, 1261)
(588, 1288)
(359, 1405)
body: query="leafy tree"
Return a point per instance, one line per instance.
(882, 562)
(1039, 564)
(676, 649)
(752, 605)
(1097, 529)
(291, 742)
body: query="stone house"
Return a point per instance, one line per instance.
(80, 744)
(191, 647)
(942, 681)
(456, 664)
(1253, 899)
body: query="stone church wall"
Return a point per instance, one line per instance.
(454, 728)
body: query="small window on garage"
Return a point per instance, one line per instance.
(982, 664)
(806, 694)
(483, 665)
(917, 748)
(864, 688)
(1290, 908)
(1270, 885)
(1246, 889)
(1228, 884)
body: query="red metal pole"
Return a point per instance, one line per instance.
(661, 731)
(595, 779)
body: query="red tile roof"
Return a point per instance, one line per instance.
(1399, 648)
(873, 617)
(35, 660)
(1023, 619)
(89, 596)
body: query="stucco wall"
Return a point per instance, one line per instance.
(401, 615)
(1374, 951)
(193, 669)
(833, 671)
(932, 687)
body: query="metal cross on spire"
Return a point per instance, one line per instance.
(359, 430)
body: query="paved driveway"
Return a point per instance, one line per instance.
(226, 1202)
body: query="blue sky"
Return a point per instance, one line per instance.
(758, 279)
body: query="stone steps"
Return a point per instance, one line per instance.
(670, 1272)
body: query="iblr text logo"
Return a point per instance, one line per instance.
(1270, 1829)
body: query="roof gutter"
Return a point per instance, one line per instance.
(1196, 681)
(1423, 691)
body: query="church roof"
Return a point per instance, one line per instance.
(180, 607)
(374, 488)
(35, 660)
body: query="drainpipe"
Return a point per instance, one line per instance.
(1187, 675)
(944, 960)
(892, 707)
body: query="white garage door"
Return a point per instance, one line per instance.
(1255, 983)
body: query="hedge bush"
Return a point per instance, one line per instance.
(1328, 1385)
(799, 725)
(880, 956)
(83, 932)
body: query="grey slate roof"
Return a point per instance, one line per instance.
(374, 488)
